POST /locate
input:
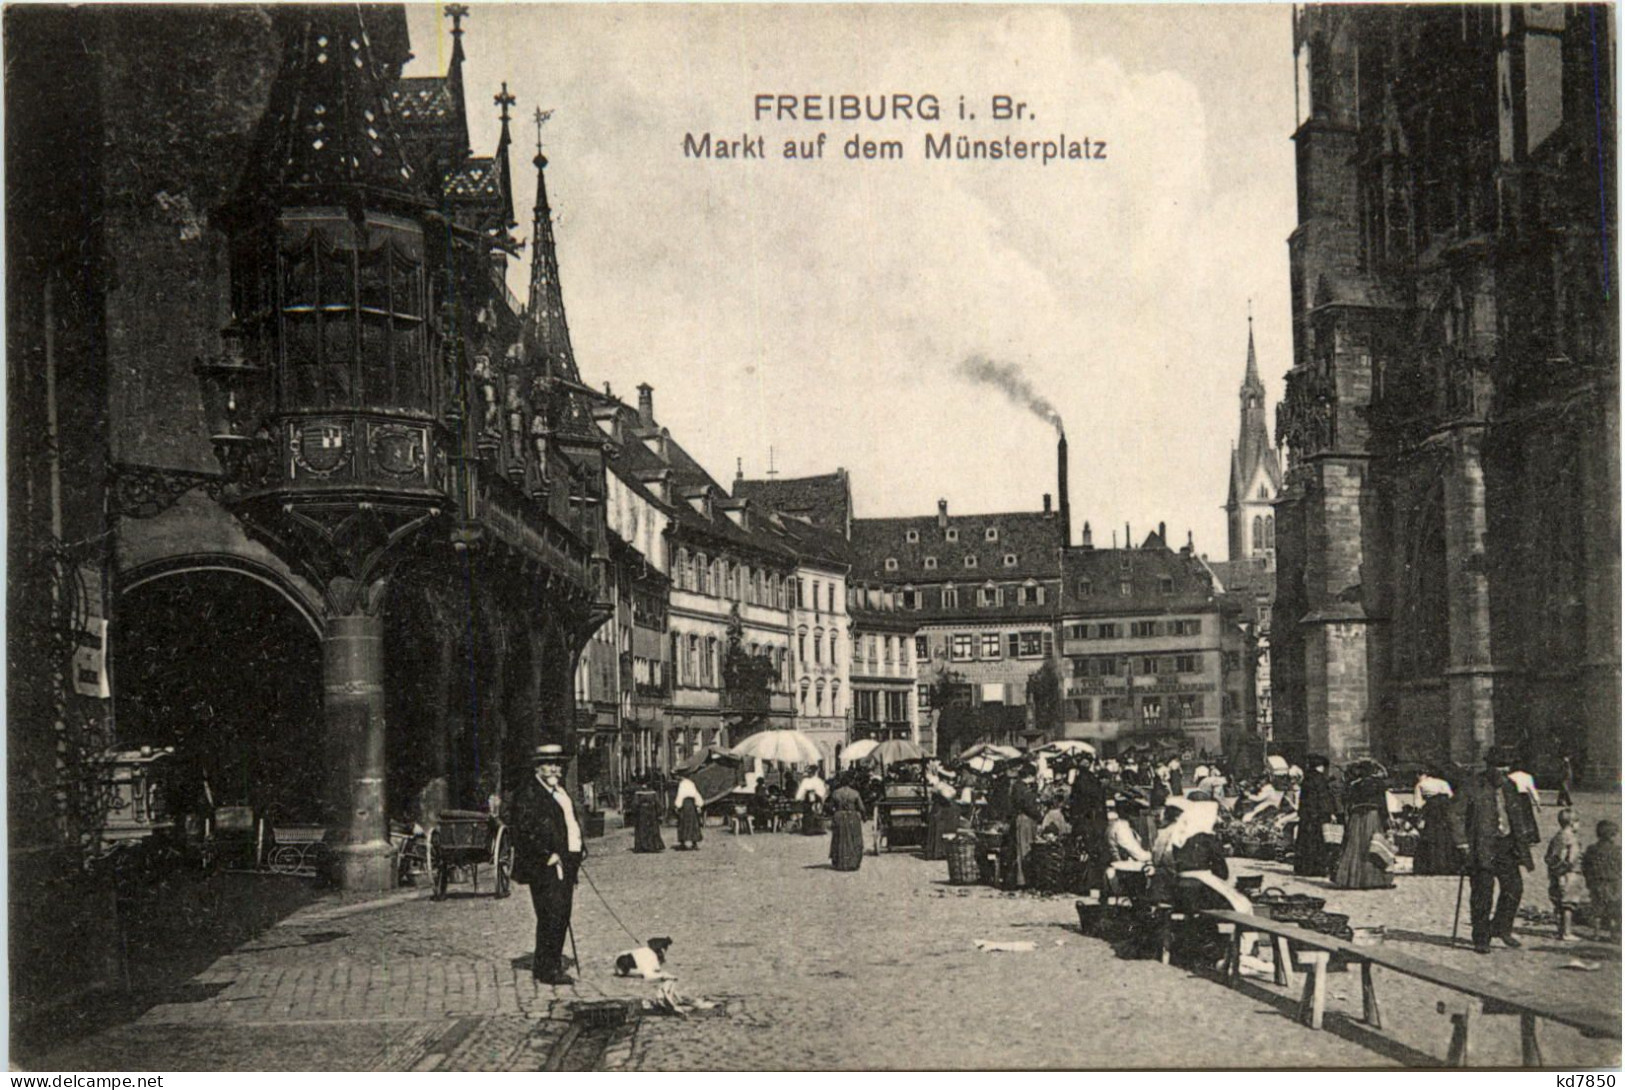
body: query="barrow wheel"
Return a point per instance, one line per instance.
(287, 859)
(504, 857)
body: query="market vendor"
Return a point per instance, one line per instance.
(1086, 810)
(1025, 814)
(1190, 868)
(943, 819)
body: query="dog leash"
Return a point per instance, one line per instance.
(582, 871)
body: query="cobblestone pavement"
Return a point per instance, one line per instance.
(811, 969)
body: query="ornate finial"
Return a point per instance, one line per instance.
(542, 117)
(1249, 310)
(456, 13)
(504, 100)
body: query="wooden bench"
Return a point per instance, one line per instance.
(1489, 996)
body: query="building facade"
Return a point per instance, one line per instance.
(1151, 655)
(983, 591)
(1448, 560)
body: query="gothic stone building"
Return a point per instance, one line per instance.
(1448, 538)
(277, 428)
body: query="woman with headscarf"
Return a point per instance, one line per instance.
(1190, 871)
(1436, 851)
(1366, 801)
(846, 827)
(688, 804)
(1316, 806)
(943, 819)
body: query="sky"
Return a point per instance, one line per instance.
(836, 311)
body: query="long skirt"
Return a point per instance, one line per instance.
(688, 824)
(646, 833)
(812, 816)
(1436, 851)
(1355, 869)
(1018, 845)
(1309, 848)
(846, 840)
(943, 821)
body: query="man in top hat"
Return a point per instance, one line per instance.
(1500, 828)
(548, 850)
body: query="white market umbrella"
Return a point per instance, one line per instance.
(1067, 745)
(859, 750)
(789, 747)
(898, 749)
(988, 749)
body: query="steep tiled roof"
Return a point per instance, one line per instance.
(423, 102)
(329, 132)
(1094, 581)
(632, 458)
(815, 542)
(1032, 538)
(478, 179)
(826, 500)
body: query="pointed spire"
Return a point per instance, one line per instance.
(328, 134)
(1251, 381)
(456, 13)
(546, 330)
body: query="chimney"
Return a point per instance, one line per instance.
(607, 391)
(739, 471)
(942, 514)
(1190, 543)
(1128, 537)
(1061, 488)
(1088, 536)
(646, 405)
(1162, 533)
(1046, 503)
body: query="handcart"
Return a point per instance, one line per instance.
(901, 816)
(463, 841)
(297, 849)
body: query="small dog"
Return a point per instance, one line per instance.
(647, 961)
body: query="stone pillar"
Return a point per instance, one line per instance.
(1599, 498)
(1471, 671)
(1336, 682)
(353, 707)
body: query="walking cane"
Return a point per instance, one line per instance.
(1455, 926)
(574, 955)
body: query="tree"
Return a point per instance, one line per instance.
(1044, 698)
(747, 683)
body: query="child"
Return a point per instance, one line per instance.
(1563, 868)
(1601, 866)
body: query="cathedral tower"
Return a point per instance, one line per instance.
(1255, 472)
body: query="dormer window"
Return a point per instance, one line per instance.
(1009, 560)
(970, 560)
(950, 534)
(930, 563)
(988, 595)
(891, 563)
(991, 533)
(913, 537)
(1085, 588)
(1166, 585)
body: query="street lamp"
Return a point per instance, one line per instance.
(232, 388)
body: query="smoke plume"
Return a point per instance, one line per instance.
(1009, 378)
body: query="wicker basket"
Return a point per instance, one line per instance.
(962, 866)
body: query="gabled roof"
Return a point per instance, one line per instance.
(1033, 538)
(1143, 569)
(824, 500)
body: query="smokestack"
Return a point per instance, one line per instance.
(1128, 536)
(1088, 536)
(1061, 489)
(942, 514)
(646, 404)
